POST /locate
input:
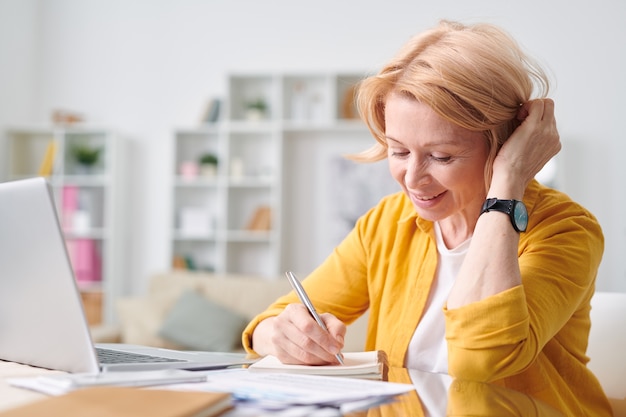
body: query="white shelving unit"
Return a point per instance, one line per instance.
(88, 200)
(288, 158)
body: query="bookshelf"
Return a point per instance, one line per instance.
(273, 203)
(88, 198)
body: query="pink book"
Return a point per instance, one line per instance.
(86, 260)
(69, 205)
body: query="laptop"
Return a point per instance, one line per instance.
(42, 321)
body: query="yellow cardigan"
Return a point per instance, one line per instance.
(531, 338)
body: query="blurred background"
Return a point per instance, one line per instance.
(145, 68)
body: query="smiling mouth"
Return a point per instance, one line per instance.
(421, 198)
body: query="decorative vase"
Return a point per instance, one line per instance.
(208, 170)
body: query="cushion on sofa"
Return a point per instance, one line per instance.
(198, 323)
(140, 319)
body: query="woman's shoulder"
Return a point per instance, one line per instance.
(396, 206)
(393, 213)
(549, 206)
(540, 198)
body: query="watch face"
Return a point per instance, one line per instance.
(520, 214)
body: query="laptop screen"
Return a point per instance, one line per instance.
(42, 321)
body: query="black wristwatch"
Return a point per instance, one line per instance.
(514, 208)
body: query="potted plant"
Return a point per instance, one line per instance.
(86, 156)
(208, 164)
(256, 109)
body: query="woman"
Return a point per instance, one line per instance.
(474, 269)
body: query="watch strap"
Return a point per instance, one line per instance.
(505, 206)
(511, 208)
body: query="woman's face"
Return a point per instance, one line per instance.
(439, 165)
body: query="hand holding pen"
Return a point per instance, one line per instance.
(304, 298)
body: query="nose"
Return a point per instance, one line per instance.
(416, 173)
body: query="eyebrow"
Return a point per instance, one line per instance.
(451, 142)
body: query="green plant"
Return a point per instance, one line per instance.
(85, 154)
(258, 104)
(208, 159)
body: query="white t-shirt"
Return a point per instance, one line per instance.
(428, 350)
(432, 389)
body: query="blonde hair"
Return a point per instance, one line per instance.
(474, 76)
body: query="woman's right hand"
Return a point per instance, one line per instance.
(530, 147)
(294, 337)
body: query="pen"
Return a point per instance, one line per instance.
(302, 295)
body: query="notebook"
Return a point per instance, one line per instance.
(367, 365)
(42, 321)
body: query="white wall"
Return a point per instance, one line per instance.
(145, 67)
(19, 31)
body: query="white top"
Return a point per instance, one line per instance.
(433, 391)
(428, 350)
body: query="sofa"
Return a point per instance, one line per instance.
(201, 311)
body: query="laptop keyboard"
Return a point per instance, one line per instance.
(108, 356)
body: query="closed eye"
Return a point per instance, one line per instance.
(442, 159)
(400, 154)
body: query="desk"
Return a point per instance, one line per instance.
(433, 391)
(13, 397)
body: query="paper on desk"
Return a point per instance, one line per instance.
(280, 390)
(58, 384)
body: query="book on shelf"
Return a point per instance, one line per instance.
(368, 365)
(47, 164)
(261, 219)
(212, 112)
(69, 198)
(85, 258)
(348, 106)
(127, 401)
(183, 262)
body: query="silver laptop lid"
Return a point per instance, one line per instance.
(42, 322)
